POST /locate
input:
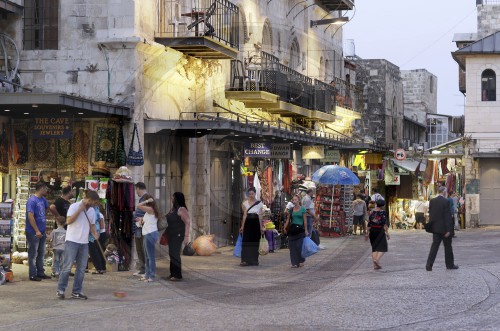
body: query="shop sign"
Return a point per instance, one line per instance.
(313, 152)
(393, 180)
(52, 127)
(257, 150)
(331, 155)
(281, 151)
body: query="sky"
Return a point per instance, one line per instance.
(415, 34)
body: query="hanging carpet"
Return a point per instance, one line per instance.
(65, 154)
(104, 143)
(81, 148)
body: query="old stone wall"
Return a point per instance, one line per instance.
(382, 119)
(488, 19)
(420, 94)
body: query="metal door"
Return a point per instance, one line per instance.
(220, 202)
(489, 198)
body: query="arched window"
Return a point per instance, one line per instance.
(488, 85)
(294, 54)
(267, 37)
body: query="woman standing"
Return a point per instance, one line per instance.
(378, 233)
(179, 221)
(297, 218)
(251, 228)
(149, 225)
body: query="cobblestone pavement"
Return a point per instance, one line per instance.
(336, 290)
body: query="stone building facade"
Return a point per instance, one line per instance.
(480, 62)
(420, 94)
(115, 53)
(382, 87)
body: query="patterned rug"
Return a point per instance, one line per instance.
(43, 153)
(65, 155)
(105, 143)
(81, 148)
(21, 134)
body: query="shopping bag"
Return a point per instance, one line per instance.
(263, 246)
(188, 250)
(237, 247)
(309, 247)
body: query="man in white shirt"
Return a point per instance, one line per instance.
(376, 196)
(81, 222)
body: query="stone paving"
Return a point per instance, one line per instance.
(336, 290)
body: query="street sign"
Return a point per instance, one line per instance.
(400, 154)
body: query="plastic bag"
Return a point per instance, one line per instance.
(204, 246)
(309, 247)
(238, 245)
(263, 246)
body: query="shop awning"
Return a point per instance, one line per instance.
(223, 128)
(26, 105)
(410, 164)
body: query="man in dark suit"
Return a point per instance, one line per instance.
(442, 225)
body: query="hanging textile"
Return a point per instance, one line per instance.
(444, 166)
(450, 183)
(43, 153)
(13, 150)
(104, 143)
(435, 178)
(121, 157)
(359, 161)
(65, 154)
(4, 153)
(286, 177)
(429, 171)
(81, 148)
(270, 187)
(256, 185)
(389, 171)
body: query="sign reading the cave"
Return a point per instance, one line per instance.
(267, 151)
(52, 127)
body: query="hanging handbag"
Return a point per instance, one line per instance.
(164, 239)
(188, 250)
(135, 158)
(162, 223)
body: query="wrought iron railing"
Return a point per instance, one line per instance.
(268, 74)
(220, 21)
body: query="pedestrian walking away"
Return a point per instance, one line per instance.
(178, 232)
(441, 228)
(378, 233)
(251, 228)
(81, 221)
(360, 214)
(420, 211)
(36, 211)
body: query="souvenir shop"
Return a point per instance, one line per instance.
(84, 151)
(283, 172)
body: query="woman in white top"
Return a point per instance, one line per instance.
(252, 229)
(149, 226)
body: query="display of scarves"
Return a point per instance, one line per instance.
(450, 183)
(286, 177)
(436, 172)
(444, 166)
(269, 178)
(429, 171)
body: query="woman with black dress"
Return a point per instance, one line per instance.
(179, 221)
(251, 228)
(378, 233)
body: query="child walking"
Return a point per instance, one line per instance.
(58, 237)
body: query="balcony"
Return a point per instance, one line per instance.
(10, 7)
(207, 33)
(268, 84)
(331, 5)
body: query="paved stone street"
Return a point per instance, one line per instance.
(336, 290)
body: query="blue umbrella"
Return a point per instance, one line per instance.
(335, 175)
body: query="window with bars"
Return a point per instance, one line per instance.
(41, 24)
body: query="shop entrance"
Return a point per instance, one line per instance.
(220, 202)
(490, 191)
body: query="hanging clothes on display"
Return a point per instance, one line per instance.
(444, 166)
(256, 184)
(121, 197)
(287, 186)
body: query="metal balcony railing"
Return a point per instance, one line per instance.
(220, 21)
(266, 73)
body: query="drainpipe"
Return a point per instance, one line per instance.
(104, 51)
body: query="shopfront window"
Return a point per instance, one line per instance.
(488, 85)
